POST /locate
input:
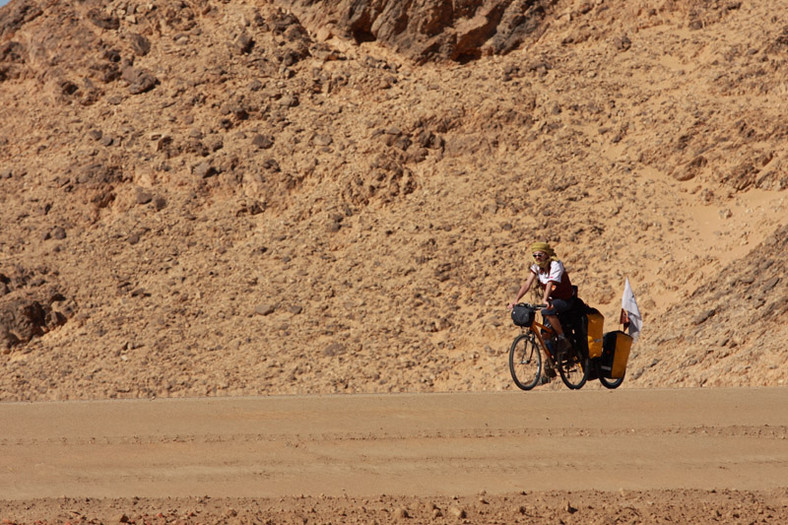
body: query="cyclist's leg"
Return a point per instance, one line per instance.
(554, 322)
(550, 314)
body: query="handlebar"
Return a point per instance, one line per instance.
(532, 306)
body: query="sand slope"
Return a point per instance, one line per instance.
(227, 199)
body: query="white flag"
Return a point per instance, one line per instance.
(630, 307)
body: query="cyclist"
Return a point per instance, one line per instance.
(557, 293)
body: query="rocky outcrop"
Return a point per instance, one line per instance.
(17, 14)
(430, 29)
(29, 308)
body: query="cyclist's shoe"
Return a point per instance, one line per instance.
(545, 379)
(563, 345)
(549, 371)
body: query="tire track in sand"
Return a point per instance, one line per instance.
(441, 444)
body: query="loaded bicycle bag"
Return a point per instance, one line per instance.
(522, 315)
(615, 354)
(594, 334)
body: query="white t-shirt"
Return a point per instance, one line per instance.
(556, 274)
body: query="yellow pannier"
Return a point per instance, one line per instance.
(596, 323)
(616, 346)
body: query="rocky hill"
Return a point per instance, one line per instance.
(238, 197)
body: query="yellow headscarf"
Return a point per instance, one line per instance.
(543, 247)
(548, 250)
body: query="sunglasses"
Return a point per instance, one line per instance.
(538, 255)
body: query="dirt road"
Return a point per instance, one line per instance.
(408, 446)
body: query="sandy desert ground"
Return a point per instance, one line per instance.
(630, 456)
(254, 258)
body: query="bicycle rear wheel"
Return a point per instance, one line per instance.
(611, 383)
(525, 361)
(574, 366)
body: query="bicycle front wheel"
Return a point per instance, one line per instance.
(574, 366)
(525, 362)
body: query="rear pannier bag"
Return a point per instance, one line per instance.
(615, 354)
(596, 323)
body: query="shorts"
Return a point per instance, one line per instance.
(558, 306)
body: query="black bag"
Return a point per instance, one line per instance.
(522, 315)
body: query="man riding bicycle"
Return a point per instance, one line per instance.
(557, 292)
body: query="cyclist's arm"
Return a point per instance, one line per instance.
(523, 289)
(556, 274)
(548, 290)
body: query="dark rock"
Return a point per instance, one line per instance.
(7, 339)
(264, 309)
(402, 143)
(67, 87)
(23, 319)
(334, 349)
(103, 197)
(13, 52)
(780, 43)
(214, 143)
(204, 170)
(771, 283)
(58, 233)
(17, 14)
(112, 55)
(703, 316)
(97, 174)
(263, 141)
(289, 101)
(139, 80)
(238, 111)
(691, 169)
(272, 165)
(103, 20)
(143, 197)
(244, 43)
(159, 203)
(281, 20)
(426, 139)
(139, 44)
(622, 43)
(416, 156)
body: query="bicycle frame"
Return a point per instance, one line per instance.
(537, 328)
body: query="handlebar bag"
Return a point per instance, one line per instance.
(522, 315)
